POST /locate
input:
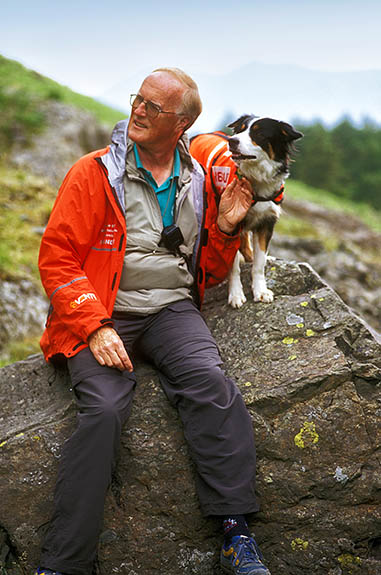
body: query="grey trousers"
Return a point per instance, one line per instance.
(216, 424)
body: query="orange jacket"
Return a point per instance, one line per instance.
(82, 249)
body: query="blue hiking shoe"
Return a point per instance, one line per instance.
(242, 557)
(42, 571)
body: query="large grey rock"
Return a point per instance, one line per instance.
(310, 373)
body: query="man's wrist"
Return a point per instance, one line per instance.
(98, 329)
(227, 228)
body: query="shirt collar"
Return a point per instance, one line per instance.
(176, 163)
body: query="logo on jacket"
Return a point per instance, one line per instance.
(221, 175)
(82, 298)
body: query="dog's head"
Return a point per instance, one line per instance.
(258, 139)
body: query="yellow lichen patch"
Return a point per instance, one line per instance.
(289, 340)
(19, 435)
(307, 435)
(292, 357)
(273, 269)
(3, 443)
(300, 325)
(310, 333)
(347, 560)
(247, 384)
(321, 298)
(304, 303)
(299, 544)
(36, 437)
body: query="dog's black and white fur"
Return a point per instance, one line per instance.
(260, 148)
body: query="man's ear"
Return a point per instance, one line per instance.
(185, 122)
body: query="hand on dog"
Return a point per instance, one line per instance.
(108, 349)
(235, 202)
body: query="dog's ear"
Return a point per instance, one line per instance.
(241, 124)
(290, 133)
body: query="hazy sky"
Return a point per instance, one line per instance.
(91, 45)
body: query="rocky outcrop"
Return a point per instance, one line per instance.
(351, 265)
(310, 373)
(356, 280)
(69, 134)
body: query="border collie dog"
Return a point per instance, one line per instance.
(259, 150)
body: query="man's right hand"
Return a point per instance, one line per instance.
(108, 349)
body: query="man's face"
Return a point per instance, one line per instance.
(163, 131)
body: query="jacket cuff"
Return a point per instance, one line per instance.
(93, 326)
(233, 236)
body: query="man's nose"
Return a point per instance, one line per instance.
(141, 109)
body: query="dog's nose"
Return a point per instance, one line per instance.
(233, 144)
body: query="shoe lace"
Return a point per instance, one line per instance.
(251, 548)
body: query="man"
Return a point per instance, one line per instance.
(129, 248)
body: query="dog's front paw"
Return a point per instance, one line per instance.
(265, 295)
(236, 298)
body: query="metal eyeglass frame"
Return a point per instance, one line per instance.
(152, 110)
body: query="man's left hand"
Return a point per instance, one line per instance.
(235, 202)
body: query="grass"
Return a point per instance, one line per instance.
(366, 213)
(299, 228)
(25, 204)
(19, 350)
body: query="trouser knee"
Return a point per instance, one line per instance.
(104, 400)
(107, 412)
(217, 387)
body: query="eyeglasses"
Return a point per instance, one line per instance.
(152, 110)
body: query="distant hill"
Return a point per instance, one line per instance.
(280, 91)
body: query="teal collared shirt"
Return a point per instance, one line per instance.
(166, 193)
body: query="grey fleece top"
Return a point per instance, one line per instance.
(152, 276)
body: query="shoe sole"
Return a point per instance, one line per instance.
(227, 570)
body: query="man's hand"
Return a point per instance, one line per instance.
(108, 349)
(235, 202)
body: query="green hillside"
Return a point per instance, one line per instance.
(21, 93)
(362, 210)
(25, 204)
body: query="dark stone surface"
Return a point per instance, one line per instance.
(310, 373)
